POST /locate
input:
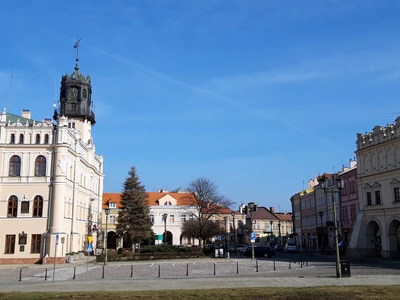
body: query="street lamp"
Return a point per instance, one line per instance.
(321, 214)
(107, 212)
(225, 236)
(270, 236)
(339, 185)
(164, 218)
(234, 230)
(293, 224)
(279, 226)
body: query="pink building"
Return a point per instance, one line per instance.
(349, 204)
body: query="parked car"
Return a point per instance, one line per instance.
(290, 247)
(240, 248)
(279, 248)
(260, 252)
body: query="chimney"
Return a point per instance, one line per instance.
(26, 113)
(271, 209)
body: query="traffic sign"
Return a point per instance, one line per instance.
(253, 237)
(57, 239)
(218, 237)
(89, 248)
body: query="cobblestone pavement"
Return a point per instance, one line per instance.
(163, 269)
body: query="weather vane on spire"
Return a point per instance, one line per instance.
(76, 46)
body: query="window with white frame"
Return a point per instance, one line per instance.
(183, 218)
(152, 219)
(172, 218)
(191, 217)
(112, 219)
(112, 205)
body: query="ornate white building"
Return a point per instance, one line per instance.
(51, 178)
(377, 229)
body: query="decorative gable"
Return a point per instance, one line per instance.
(167, 200)
(394, 181)
(376, 185)
(367, 186)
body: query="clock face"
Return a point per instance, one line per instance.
(73, 93)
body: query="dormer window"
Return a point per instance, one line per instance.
(112, 205)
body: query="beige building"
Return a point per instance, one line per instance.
(377, 228)
(51, 178)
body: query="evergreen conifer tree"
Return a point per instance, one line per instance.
(133, 217)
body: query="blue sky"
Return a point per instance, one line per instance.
(257, 95)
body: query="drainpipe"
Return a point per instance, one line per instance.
(71, 244)
(50, 201)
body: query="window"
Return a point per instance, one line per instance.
(46, 138)
(377, 197)
(37, 206)
(12, 207)
(37, 141)
(191, 217)
(15, 166)
(152, 219)
(12, 138)
(21, 138)
(35, 243)
(183, 218)
(396, 193)
(369, 198)
(40, 166)
(73, 106)
(84, 94)
(171, 218)
(112, 219)
(112, 205)
(10, 244)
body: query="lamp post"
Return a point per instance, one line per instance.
(339, 185)
(164, 218)
(234, 230)
(251, 208)
(321, 214)
(225, 236)
(270, 236)
(107, 212)
(293, 224)
(279, 226)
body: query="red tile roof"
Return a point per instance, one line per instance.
(182, 198)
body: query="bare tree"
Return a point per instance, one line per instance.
(207, 203)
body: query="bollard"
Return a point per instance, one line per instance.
(274, 265)
(187, 269)
(131, 271)
(214, 268)
(237, 267)
(256, 265)
(102, 276)
(20, 274)
(74, 273)
(289, 265)
(301, 264)
(306, 263)
(45, 274)
(159, 270)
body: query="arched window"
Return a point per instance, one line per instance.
(46, 138)
(40, 166)
(12, 139)
(84, 94)
(15, 166)
(38, 139)
(12, 207)
(37, 206)
(21, 138)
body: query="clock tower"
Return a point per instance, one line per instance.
(76, 97)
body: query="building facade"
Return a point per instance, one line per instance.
(178, 207)
(377, 228)
(51, 179)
